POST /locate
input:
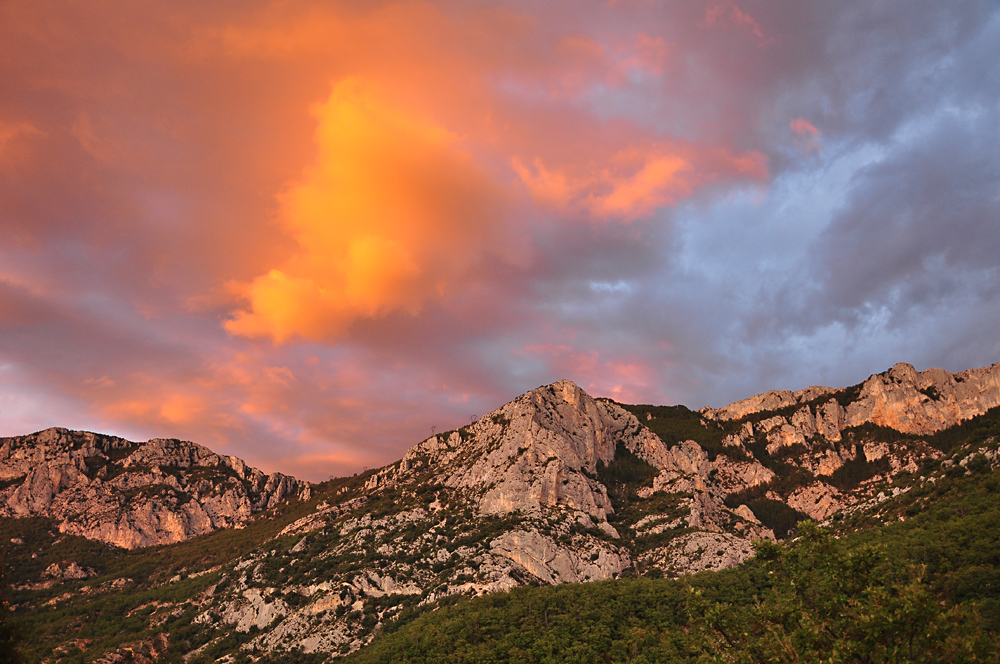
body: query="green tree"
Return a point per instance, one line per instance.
(823, 602)
(9, 634)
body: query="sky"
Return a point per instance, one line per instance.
(311, 233)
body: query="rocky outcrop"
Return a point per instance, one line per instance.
(70, 571)
(550, 563)
(901, 399)
(700, 551)
(926, 402)
(254, 609)
(773, 400)
(818, 500)
(132, 494)
(553, 487)
(542, 451)
(539, 451)
(812, 422)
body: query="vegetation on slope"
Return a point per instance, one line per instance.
(134, 595)
(675, 424)
(971, 433)
(929, 555)
(829, 601)
(633, 620)
(925, 588)
(624, 474)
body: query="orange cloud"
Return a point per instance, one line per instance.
(13, 146)
(392, 215)
(162, 410)
(806, 135)
(636, 181)
(660, 181)
(11, 130)
(222, 396)
(730, 14)
(157, 135)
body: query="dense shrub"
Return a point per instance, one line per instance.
(776, 515)
(856, 471)
(829, 602)
(675, 424)
(625, 470)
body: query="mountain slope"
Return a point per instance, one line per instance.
(943, 556)
(823, 443)
(900, 398)
(553, 487)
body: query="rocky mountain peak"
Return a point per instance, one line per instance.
(553, 487)
(901, 398)
(540, 450)
(132, 494)
(545, 455)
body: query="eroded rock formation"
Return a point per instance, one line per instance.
(553, 487)
(901, 399)
(132, 494)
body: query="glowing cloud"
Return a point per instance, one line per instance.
(448, 227)
(806, 135)
(12, 140)
(730, 14)
(635, 182)
(391, 216)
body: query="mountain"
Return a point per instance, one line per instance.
(901, 399)
(132, 494)
(200, 556)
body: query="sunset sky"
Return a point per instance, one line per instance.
(305, 233)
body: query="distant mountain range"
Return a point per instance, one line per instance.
(203, 557)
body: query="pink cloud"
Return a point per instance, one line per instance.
(805, 135)
(628, 379)
(728, 14)
(284, 231)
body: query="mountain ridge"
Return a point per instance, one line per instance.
(553, 487)
(132, 494)
(888, 399)
(900, 398)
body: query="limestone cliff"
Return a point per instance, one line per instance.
(542, 454)
(132, 494)
(807, 428)
(553, 487)
(901, 399)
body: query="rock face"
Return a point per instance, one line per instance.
(539, 451)
(132, 494)
(807, 428)
(901, 399)
(541, 454)
(553, 487)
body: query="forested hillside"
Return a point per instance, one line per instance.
(923, 587)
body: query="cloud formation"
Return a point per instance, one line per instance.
(393, 215)
(635, 182)
(307, 232)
